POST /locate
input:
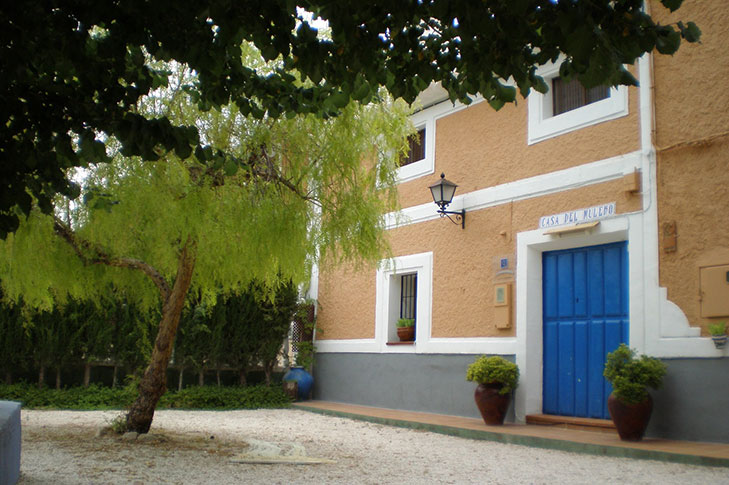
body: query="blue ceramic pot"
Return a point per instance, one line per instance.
(304, 381)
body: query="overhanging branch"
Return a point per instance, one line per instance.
(89, 254)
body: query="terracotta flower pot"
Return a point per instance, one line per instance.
(631, 420)
(491, 404)
(406, 334)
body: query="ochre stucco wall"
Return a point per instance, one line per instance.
(346, 303)
(692, 140)
(478, 147)
(462, 303)
(693, 187)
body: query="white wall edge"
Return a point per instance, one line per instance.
(537, 186)
(485, 345)
(495, 346)
(347, 346)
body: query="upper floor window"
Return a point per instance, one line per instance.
(420, 160)
(568, 106)
(569, 95)
(417, 148)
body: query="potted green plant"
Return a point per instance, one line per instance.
(718, 334)
(496, 378)
(630, 405)
(406, 329)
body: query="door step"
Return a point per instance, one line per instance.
(571, 422)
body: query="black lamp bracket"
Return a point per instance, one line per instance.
(459, 216)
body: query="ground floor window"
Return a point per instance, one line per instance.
(408, 295)
(404, 286)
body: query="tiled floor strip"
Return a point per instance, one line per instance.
(596, 443)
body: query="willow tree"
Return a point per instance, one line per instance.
(266, 199)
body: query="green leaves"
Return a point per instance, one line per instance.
(631, 376)
(89, 82)
(689, 31)
(494, 370)
(667, 40)
(672, 5)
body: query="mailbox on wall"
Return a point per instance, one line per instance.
(502, 305)
(714, 287)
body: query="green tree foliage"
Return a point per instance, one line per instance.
(55, 337)
(13, 341)
(132, 336)
(95, 331)
(73, 72)
(275, 324)
(241, 309)
(194, 339)
(207, 223)
(241, 330)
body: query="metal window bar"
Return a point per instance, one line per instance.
(408, 295)
(567, 96)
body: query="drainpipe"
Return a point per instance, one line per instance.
(650, 328)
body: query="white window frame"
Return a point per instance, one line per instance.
(388, 300)
(426, 165)
(543, 126)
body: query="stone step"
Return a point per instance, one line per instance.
(571, 422)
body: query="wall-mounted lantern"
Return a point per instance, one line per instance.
(443, 192)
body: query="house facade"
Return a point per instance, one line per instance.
(592, 218)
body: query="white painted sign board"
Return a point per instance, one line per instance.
(578, 216)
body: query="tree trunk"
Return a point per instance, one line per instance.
(242, 380)
(58, 377)
(201, 377)
(114, 378)
(217, 376)
(87, 374)
(154, 381)
(41, 376)
(268, 369)
(8, 377)
(180, 379)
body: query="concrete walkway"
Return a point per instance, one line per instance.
(591, 442)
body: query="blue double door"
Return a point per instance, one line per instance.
(585, 316)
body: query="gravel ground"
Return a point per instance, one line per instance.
(202, 447)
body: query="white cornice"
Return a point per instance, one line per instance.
(540, 185)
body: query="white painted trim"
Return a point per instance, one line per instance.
(345, 346)
(485, 345)
(529, 345)
(543, 125)
(422, 264)
(657, 326)
(427, 118)
(425, 166)
(537, 186)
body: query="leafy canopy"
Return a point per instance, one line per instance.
(290, 185)
(74, 71)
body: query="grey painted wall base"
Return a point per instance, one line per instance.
(433, 383)
(9, 442)
(693, 403)
(691, 406)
